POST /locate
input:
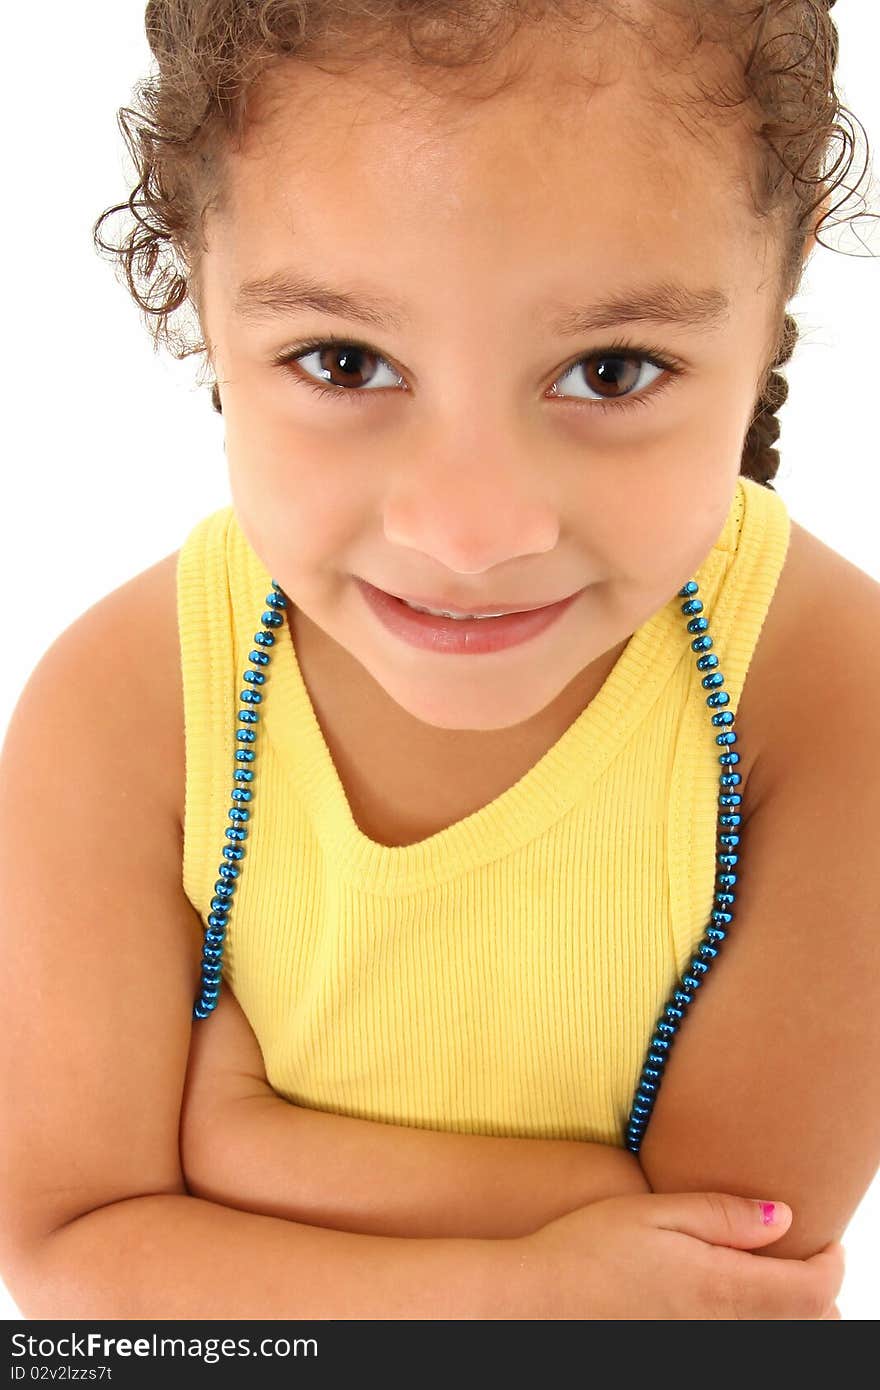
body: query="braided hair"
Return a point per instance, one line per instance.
(760, 460)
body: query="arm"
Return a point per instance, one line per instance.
(98, 990)
(772, 1083)
(169, 1255)
(245, 1146)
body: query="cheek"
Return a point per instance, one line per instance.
(651, 520)
(300, 509)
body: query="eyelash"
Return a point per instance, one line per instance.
(672, 365)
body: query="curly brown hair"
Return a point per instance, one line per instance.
(211, 54)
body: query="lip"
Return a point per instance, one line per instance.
(464, 636)
(473, 610)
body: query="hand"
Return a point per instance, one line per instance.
(671, 1256)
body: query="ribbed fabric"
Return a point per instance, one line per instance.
(504, 975)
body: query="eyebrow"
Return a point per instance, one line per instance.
(283, 293)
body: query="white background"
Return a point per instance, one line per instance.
(112, 453)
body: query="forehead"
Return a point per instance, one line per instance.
(584, 150)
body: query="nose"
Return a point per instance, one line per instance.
(472, 506)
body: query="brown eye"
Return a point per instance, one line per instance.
(617, 374)
(345, 366)
(611, 376)
(349, 369)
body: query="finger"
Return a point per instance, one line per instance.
(773, 1287)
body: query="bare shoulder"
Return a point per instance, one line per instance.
(148, 605)
(133, 630)
(809, 660)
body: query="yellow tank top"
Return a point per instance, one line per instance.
(504, 975)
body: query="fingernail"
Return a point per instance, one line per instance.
(773, 1213)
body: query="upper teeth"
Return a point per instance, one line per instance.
(440, 613)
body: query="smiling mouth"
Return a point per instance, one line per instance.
(438, 608)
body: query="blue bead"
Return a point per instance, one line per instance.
(726, 738)
(724, 719)
(691, 587)
(659, 1044)
(236, 815)
(250, 697)
(248, 716)
(682, 998)
(727, 880)
(699, 966)
(672, 1012)
(691, 981)
(709, 682)
(245, 755)
(223, 890)
(230, 853)
(715, 933)
(733, 819)
(668, 1028)
(260, 658)
(255, 677)
(657, 1059)
(732, 799)
(264, 639)
(243, 775)
(701, 644)
(694, 606)
(730, 779)
(240, 794)
(707, 952)
(245, 735)
(728, 759)
(721, 697)
(707, 663)
(233, 834)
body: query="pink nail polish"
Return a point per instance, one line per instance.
(767, 1210)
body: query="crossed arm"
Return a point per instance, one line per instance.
(244, 1146)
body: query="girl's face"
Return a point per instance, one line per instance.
(509, 435)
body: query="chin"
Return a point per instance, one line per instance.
(494, 706)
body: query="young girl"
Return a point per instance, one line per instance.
(395, 920)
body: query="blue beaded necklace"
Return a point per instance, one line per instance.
(728, 822)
